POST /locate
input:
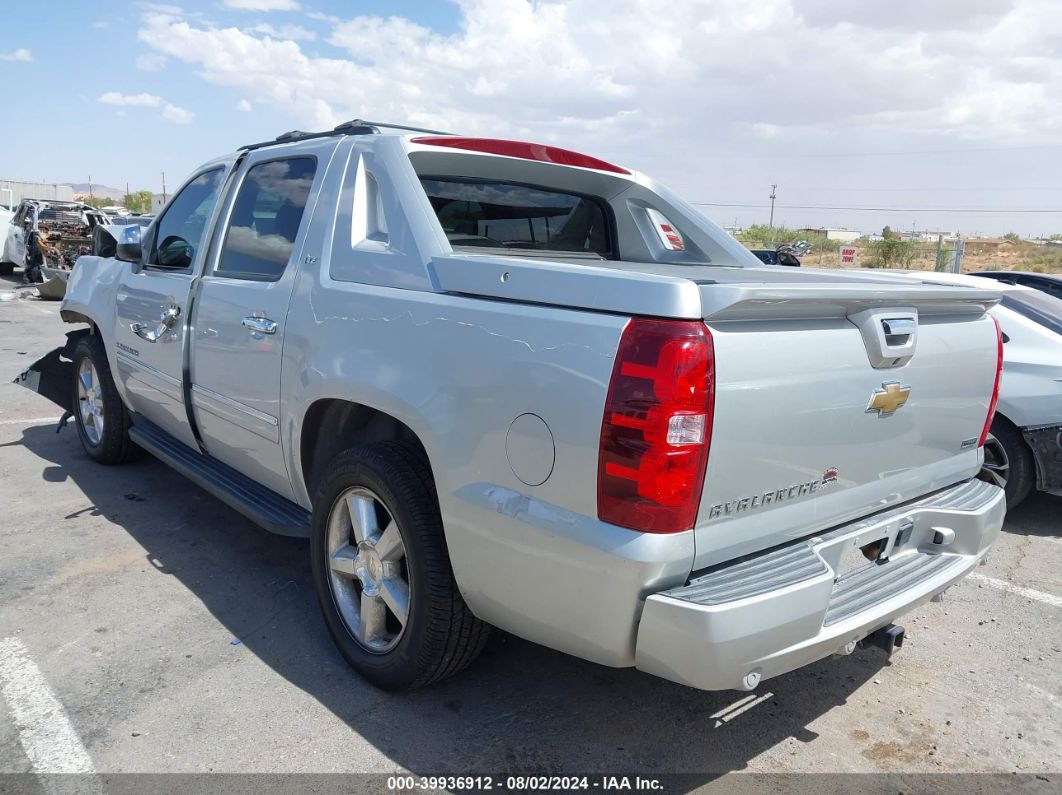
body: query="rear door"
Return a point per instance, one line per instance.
(241, 309)
(151, 312)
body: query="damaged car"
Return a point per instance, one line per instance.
(65, 230)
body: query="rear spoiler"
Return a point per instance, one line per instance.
(634, 289)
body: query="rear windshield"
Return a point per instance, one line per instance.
(514, 217)
(1038, 307)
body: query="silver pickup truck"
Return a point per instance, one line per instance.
(500, 383)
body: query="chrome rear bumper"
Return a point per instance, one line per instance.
(733, 625)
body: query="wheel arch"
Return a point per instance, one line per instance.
(331, 425)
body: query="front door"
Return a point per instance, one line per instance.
(151, 312)
(241, 307)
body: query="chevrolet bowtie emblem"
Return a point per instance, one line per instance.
(890, 397)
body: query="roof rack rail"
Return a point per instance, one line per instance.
(352, 127)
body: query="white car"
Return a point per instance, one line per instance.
(1024, 448)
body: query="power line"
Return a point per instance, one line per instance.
(882, 209)
(838, 189)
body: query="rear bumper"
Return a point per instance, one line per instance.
(770, 613)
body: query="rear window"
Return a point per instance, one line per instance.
(507, 215)
(1038, 307)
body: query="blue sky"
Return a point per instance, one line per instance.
(920, 116)
(89, 49)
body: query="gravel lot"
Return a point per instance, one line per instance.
(178, 637)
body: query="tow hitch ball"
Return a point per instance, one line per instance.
(888, 639)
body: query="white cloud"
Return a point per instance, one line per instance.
(516, 65)
(177, 114)
(151, 62)
(101, 24)
(293, 32)
(262, 5)
(21, 54)
(169, 111)
(130, 100)
(700, 94)
(244, 106)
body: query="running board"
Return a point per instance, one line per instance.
(259, 504)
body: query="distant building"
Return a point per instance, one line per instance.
(734, 230)
(987, 244)
(844, 235)
(13, 191)
(158, 201)
(926, 236)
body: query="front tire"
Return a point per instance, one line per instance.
(1008, 462)
(382, 570)
(101, 418)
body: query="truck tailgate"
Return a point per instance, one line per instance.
(809, 433)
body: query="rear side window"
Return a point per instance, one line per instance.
(507, 215)
(265, 219)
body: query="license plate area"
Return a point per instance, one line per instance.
(858, 554)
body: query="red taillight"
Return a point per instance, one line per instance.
(657, 426)
(524, 150)
(995, 386)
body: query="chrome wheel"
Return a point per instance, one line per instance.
(997, 463)
(90, 401)
(367, 570)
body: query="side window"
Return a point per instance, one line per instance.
(179, 232)
(265, 219)
(19, 216)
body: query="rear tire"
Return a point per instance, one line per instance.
(392, 553)
(7, 268)
(1009, 462)
(101, 418)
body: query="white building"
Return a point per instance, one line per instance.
(844, 235)
(13, 191)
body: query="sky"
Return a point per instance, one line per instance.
(943, 115)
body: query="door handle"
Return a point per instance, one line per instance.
(166, 320)
(260, 325)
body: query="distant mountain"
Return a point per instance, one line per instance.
(82, 189)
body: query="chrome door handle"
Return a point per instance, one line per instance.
(166, 320)
(260, 325)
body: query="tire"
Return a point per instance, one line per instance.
(389, 485)
(101, 418)
(1009, 462)
(7, 268)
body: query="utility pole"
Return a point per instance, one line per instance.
(90, 186)
(770, 224)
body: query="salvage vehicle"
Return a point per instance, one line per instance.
(501, 383)
(1023, 450)
(784, 254)
(65, 226)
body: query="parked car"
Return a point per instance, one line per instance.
(1046, 282)
(500, 383)
(784, 254)
(1024, 449)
